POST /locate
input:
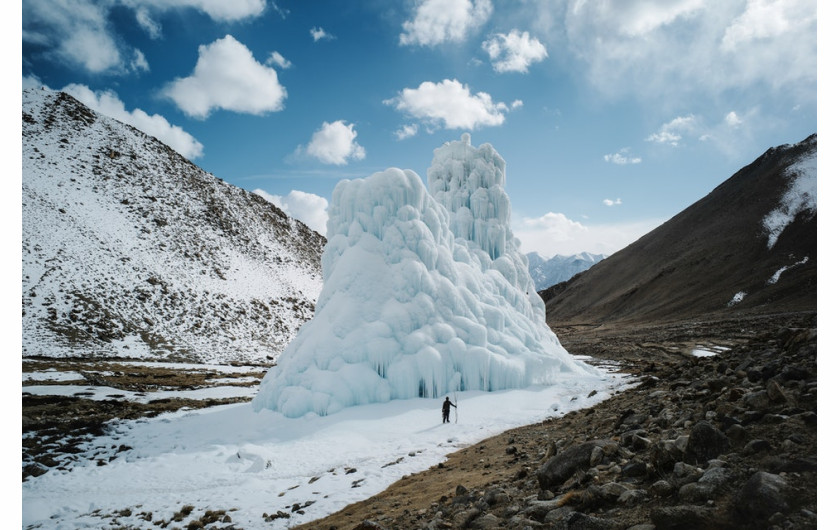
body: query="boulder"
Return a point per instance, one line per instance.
(559, 468)
(582, 521)
(761, 496)
(681, 517)
(705, 442)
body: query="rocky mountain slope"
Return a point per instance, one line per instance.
(130, 250)
(551, 271)
(748, 247)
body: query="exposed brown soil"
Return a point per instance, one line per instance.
(54, 427)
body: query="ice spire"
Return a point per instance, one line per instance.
(425, 292)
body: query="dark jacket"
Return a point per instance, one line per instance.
(446, 405)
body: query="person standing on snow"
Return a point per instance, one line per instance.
(446, 405)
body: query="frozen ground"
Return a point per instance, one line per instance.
(249, 465)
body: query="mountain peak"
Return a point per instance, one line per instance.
(551, 271)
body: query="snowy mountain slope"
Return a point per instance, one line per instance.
(131, 250)
(551, 271)
(748, 247)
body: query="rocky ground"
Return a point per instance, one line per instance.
(724, 441)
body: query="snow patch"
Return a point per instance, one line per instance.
(801, 196)
(776, 275)
(737, 298)
(708, 350)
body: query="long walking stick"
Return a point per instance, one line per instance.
(456, 406)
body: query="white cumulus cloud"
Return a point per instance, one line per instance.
(31, 81)
(308, 208)
(218, 10)
(148, 23)
(514, 52)
(139, 62)
(109, 104)
(622, 157)
(227, 77)
(733, 120)
(611, 202)
(554, 233)
(451, 104)
(675, 48)
(406, 131)
(766, 20)
(319, 34)
(672, 132)
(78, 32)
(279, 61)
(439, 21)
(335, 143)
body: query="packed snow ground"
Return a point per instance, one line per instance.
(101, 393)
(253, 463)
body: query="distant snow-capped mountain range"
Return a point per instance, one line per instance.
(551, 271)
(130, 250)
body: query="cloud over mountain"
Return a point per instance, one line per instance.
(227, 77)
(335, 143)
(449, 104)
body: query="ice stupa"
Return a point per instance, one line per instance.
(425, 293)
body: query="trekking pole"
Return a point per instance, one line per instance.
(455, 389)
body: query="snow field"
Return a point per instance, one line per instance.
(250, 463)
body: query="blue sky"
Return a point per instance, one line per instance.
(612, 115)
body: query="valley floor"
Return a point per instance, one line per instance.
(719, 432)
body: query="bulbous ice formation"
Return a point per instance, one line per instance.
(424, 293)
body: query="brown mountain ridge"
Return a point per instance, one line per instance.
(695, 263)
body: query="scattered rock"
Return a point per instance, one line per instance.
(705, 442)
(559, 468)
(681, 517)
(761, 496)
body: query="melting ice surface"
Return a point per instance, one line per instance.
(425, 293)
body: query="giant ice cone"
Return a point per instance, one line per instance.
(425, 293)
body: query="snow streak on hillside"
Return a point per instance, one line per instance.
(800, 197)
(130, 250)
(425, 293)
